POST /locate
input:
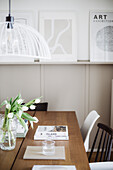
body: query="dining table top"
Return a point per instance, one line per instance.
(74, 147)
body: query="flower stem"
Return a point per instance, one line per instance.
(12, 136)
(9, 137)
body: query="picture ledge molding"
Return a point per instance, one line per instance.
(56, 62)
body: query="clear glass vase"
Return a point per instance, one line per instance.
(1, 124)
(9, 136)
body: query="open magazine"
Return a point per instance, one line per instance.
(56, 132)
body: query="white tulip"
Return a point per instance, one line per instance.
(37, 101)
(36, 120)
(32, 107)
(8, 106)
(25, 108)
(10, 115)
(5, 101)
(20, 113)
(19, 101)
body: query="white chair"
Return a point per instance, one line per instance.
(87, 127)
(101, 166)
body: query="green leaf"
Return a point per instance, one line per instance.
(32, 102)
(18, 97)
(3, 103)
(27, 116)
(22, 122)
(14, 108)
(11, 101)
(6, 112)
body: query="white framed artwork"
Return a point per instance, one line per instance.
(59, 31)
(101, 36)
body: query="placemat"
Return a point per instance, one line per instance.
(35, 152)
(53, 167)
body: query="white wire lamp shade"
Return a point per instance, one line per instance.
(22, 41)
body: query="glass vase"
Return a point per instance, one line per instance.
(9, 136)
(1, 124)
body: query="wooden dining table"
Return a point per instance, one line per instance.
(74, 148)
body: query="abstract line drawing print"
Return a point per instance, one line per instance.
(59, 30)
(104, 39)
(56, 40)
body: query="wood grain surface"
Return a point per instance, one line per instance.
(74, 147)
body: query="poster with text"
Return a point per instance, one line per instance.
(101, 36)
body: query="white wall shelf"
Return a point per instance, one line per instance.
(55, 62)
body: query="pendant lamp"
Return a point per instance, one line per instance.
(19, 40)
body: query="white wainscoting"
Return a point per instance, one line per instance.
(81, 88)
(111, 119)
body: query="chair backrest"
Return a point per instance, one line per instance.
(87, 127)
(105, 143)
(41, 106)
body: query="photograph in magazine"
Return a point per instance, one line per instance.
(52, 129)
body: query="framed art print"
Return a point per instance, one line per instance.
(59, 31)
(101, 36)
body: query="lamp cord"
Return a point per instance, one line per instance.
(9, 7)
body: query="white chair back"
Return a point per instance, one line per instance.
(87, 127)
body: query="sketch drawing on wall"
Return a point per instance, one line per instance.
(101, 36)
(59, 30)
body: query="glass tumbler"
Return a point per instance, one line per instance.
(48, 147)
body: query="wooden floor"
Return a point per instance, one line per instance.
(94, 154)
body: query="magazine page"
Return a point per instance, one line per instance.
(52, 130)
(56, 132)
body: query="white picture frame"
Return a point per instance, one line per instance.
(60, 32)
(101, 36)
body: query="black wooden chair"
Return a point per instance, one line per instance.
(104, 144)
(41, 106)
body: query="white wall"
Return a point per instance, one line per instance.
(66, 87)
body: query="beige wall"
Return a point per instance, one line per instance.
(66, 87)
